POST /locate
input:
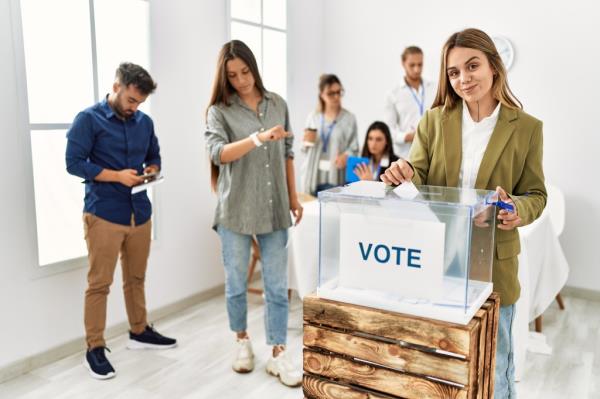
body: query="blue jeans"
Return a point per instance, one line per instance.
(236, 255)
(504, 386)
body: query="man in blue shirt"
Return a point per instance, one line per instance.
(110, 145)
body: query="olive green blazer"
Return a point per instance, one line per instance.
(512, 160)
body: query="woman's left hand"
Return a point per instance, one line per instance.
(340, 160)
(507, 220)
(296, 210)
(363, 172)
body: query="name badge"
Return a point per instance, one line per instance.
(325, 165)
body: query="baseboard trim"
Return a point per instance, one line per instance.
(583, 293)
(27, 364)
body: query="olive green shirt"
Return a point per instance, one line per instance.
(512, 160)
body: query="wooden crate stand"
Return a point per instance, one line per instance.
(356, 352)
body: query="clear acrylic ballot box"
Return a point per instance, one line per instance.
(430, 255)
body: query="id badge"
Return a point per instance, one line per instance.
(325, 165)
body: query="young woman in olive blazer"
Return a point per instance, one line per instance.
(472, 75)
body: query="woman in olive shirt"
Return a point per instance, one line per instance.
(477, 135)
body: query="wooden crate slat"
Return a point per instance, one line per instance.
(379, 379)
(449, 337)
(476, 389)
(320, 388)
(388, 354)
(488, 308)
(492, 339)
(474, 352)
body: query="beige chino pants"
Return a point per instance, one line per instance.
(105, 240)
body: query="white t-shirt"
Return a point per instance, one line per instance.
(404, 107)
(475, 138)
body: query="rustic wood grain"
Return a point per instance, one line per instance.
(319, 388)
(496, 299)
(476, 389)
(372, 377)
(388, 354)
(446, 336)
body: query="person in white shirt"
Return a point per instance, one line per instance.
(406, 103)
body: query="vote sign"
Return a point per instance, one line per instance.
(399, 256)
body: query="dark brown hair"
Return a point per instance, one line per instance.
(410, 50)
(222, 89)
(478, 40)
(327, 79)
(389, 147)
(132, 74)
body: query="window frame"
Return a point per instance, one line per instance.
(262, 26)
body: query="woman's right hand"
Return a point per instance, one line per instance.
(273, 134)
(398, 173)
(363, 172)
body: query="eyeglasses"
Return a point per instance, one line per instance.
(335, 93)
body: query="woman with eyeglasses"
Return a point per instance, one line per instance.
(329, 138)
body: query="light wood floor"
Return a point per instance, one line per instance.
(200, 366)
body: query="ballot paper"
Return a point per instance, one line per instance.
(406, 190)
(141, 187)
(365, 188)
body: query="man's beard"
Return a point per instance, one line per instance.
(119, 111)
(116, 105)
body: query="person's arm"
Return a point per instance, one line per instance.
(417, 169)
(152, 162)
(236, 150)
(350, 145)
(529, 194)
(221, 150)
(419, 153)
(80, 142)
(295, 206)
(353, 139)
(393, 119)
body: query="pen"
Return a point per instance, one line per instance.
(503, 205)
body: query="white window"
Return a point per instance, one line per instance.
(71, 51)
(262, 25)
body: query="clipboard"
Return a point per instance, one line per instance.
(351, 164)
(141, 187)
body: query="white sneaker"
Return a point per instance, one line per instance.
(282, 367)
(244, 360)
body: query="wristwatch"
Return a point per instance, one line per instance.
(255, 139)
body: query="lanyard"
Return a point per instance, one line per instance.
(421, 103)
(325, 136)
(375, 173)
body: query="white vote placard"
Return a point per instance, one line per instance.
(400, 256)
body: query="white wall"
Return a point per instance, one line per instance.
(306, 59)
(555, 75)
(38, 314)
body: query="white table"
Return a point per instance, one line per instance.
(543, 271)
(303, 251)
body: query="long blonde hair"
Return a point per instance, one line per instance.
(478, 40)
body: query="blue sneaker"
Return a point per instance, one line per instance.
(98, 365)
(150, 339)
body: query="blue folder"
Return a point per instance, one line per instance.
(351, 164)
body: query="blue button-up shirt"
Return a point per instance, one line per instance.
(99, 140)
